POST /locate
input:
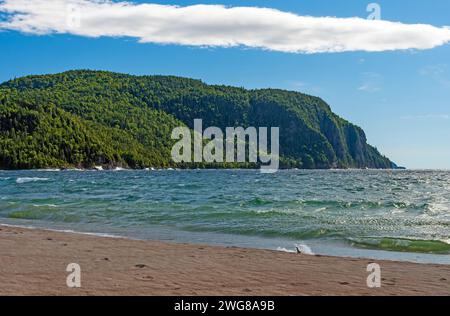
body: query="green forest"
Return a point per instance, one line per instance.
(85, 118)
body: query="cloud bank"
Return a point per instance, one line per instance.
(217, 26)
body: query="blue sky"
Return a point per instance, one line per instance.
(401, 98)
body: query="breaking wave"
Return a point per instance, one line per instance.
(26, 180)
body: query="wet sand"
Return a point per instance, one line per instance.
(33, 262)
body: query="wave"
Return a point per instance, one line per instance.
(304, 249)
(402, 244)
(283, 249)
(45, 205)
(69, 231)
(48, 170)
(26, 215)
(257, 202)
(335, 204)
(268, 233)
(47, 213)
(26, 180)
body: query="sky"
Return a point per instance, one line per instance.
(389, 76)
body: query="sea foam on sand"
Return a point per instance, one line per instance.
(304, 249)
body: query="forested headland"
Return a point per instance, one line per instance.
(85, 118)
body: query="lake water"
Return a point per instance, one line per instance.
(400, 215)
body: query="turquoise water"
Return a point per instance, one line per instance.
(392, 214)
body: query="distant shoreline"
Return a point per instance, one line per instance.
(119, 266)
(188, 169)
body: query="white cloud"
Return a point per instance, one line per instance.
(217, 26)
(434, 70)
(439, 73)
(372, 82)
(369, 87)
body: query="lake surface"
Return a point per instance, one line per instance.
(401, 215)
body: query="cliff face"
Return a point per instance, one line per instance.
(88, 117)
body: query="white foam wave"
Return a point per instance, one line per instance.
(69, 231)
(283, 249)
(26, 180)
(304, 249)
(48, 170)
(45, 205)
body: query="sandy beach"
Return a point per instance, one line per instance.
(33, 262)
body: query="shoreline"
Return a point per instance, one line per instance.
(175, 168)
(34, 261)
(305, 247)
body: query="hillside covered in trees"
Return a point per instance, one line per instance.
(86, 118)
